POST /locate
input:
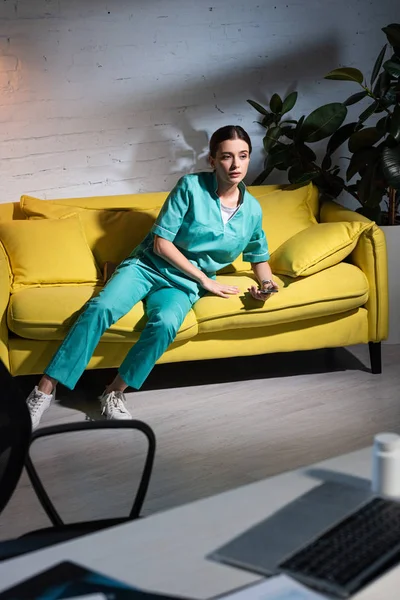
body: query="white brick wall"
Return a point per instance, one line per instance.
(121, 96)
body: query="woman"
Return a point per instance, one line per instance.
(207, 221)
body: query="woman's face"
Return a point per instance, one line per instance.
(231, 161)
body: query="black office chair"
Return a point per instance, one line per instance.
(23, 443)
(15, 434)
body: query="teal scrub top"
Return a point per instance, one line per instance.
(191, 219)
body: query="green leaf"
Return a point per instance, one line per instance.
(395, 123)
(306, 178)
(270, 137)
(267, 120)
(378, 64)
(289, 121)
(258, 107)
(365, 138)
(392, 32)
(275, 104)
(340, 136)
(382, 84)
(352, 187)
(326, 162)
(383, 125)
(375, 197)
(355, 98)
(368, 112)
(280, 155)
(368, 192)
(332, 184)
(346, 74)
(307, 155)
(295, 173)
(360, 160)
(323, 122)
(391, 166)
(288, 132)
(390, 97)
(298, 131)
(289, 102)
(393, 68)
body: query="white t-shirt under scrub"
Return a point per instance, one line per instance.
(227, 212)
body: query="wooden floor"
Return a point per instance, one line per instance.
(219, 425)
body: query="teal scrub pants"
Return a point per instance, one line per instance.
(134, 280)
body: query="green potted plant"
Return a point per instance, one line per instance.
(373, 140)
(374, 149)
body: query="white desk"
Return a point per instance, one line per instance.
(165, 552)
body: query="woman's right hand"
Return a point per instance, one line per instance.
(218, 289)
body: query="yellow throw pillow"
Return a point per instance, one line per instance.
(111, 234)
(33, 207)
(317, 248)
(260, 191)
(48, 252)
(285, 213)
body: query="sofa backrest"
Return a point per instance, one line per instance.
(121, 221)
(12, 210)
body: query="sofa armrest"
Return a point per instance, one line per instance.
(4, 300)
(370, 256)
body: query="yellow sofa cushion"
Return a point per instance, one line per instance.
(260, 191)
(48, 252)
(317, 248)
(340, 288)
(285, 213)
(111, 234)
(47, 313)
(34, 207)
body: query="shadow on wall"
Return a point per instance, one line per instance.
(215, 100)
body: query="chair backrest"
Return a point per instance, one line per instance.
(15, 434)
(75, 462)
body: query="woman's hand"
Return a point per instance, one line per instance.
(256, 292)
(218, 289)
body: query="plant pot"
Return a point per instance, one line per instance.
(392, 234)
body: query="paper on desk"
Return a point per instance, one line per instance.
(275, 588)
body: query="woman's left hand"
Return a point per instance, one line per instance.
(257, 295)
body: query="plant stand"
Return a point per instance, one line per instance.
(392, 234)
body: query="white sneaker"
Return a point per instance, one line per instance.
(38, 403)
(113, 406)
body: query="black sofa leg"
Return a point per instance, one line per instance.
(375, 355)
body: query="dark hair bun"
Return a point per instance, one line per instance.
(229, 132)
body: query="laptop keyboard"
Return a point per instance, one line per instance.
(352, 552)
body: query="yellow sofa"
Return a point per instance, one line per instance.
(330, 263)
